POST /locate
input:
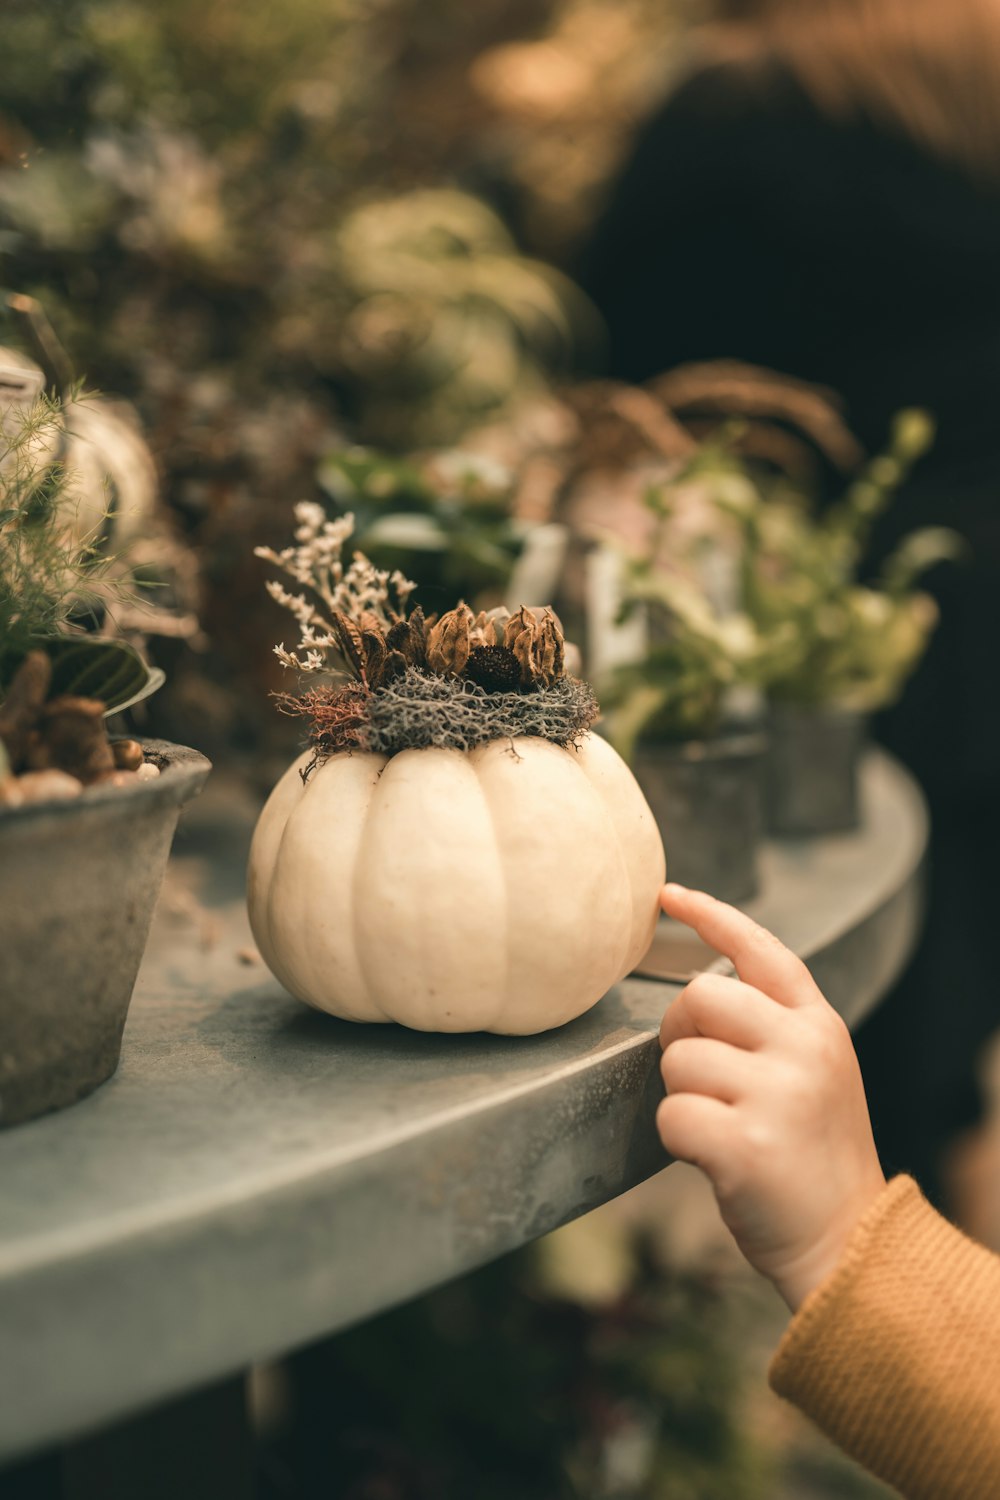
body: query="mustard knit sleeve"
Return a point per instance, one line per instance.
(896, 1356)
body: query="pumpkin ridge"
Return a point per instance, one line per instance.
(503, 987)
(310, 910)
(592, 752)
(430, 851)
(357, 946)
(580, 763)
(554, 965)
(262, 905)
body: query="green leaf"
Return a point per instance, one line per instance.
(88, 667)
(918, 552)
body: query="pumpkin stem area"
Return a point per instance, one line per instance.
(399, 680)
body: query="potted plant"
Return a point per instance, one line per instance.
(455, 850)
(842, 647)
(85, 821)
(673, 719)
(446, 518)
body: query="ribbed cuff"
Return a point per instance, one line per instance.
(896, 1356)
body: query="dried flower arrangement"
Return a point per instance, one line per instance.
(444, 743)
(406, 680)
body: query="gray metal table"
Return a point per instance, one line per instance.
(256, 1175)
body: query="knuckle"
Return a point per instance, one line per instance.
(674, 1061)
(830, 1042)
(697, 991)
(669, 1125)
(704, 994)
(758, 1144)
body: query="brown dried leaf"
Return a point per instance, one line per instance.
(400, 637)
(368, 621)
(419, 626)
(351, 644)
(375, 655)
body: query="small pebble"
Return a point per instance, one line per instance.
(10, 792)
(43, 786)
(247, 956)
(148, 771)
(116, 778)
(127, 754)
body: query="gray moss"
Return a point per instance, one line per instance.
(418, 710)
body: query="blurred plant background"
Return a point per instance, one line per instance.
(320, 249)
(277, 229)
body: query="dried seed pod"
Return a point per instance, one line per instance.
(550, 650)
(494, 668)
(516, 624)
(520, 635)
(482, 632)
(395, 665)
(448, 642)
(400, 637)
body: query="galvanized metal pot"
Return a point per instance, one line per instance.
(78, 883)
(707, 798)
(812, 770)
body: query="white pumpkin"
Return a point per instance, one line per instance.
(505, 889)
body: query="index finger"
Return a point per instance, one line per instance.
(759, 958)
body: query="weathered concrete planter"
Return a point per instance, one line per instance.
(812, 770)
(78, 883)
(707, 798)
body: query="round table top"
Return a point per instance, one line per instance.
(257, 1175)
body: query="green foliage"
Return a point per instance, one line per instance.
(847, 643)
(442, 322)
(445, 523)
(89, 667)
(46, 573)
(799, 624)
(52, 579)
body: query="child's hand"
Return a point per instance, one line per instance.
(764, 1094)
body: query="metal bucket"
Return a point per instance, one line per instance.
(707, 798)
(78, 883)
(812, 770)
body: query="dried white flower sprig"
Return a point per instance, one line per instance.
(317, 564)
